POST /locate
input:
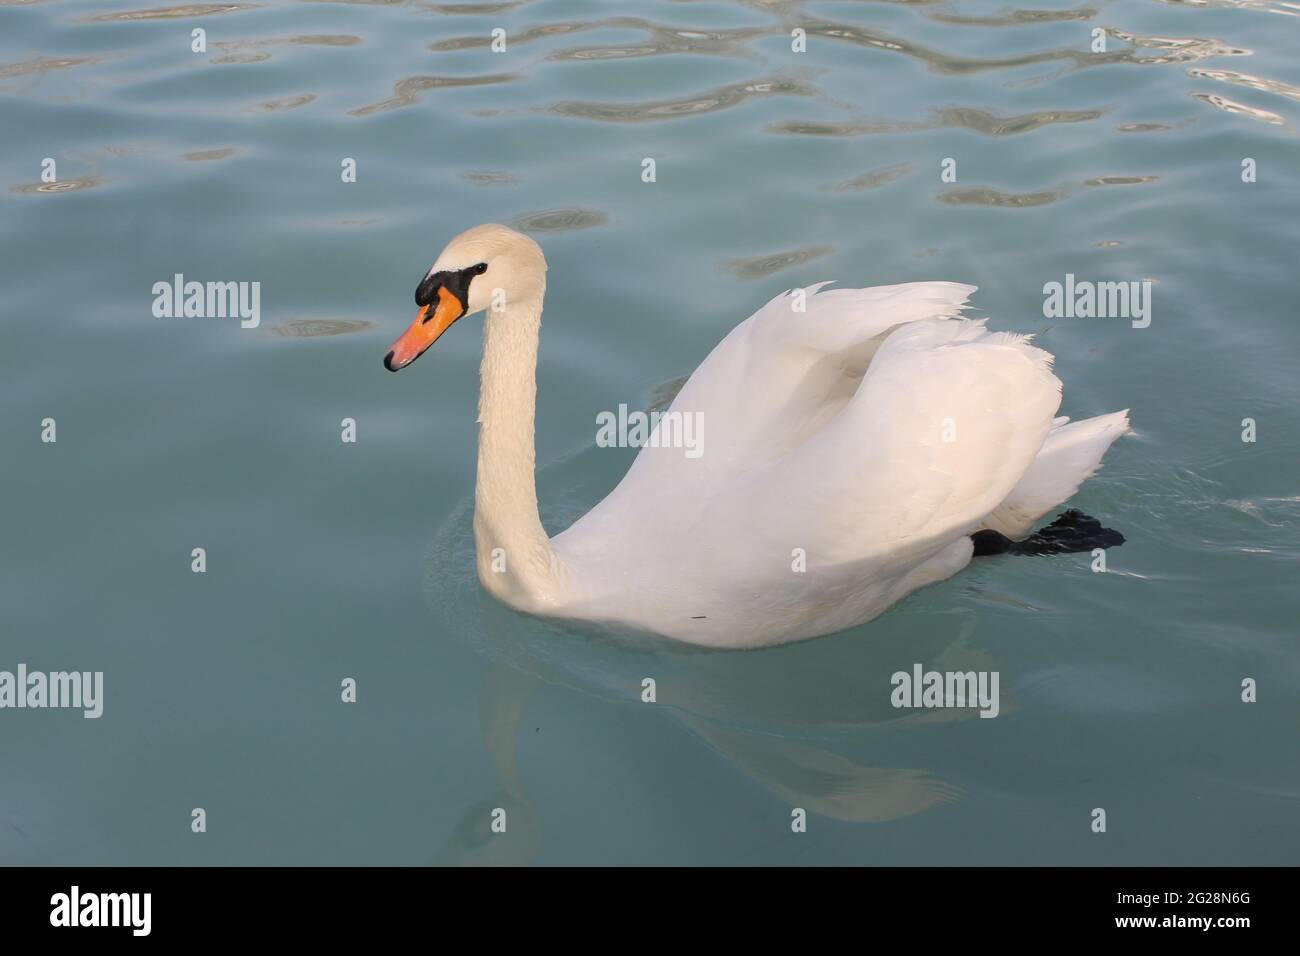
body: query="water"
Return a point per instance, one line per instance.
(328, 560)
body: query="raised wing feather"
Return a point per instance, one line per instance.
(947, 420)
(782, 375)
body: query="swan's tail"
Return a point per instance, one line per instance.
(1070, 455)
(1070, 533)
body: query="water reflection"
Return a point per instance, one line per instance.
(488, 177)
(560, 220)
(406, 91)
(1287, 7)
(181, 12)
(207, 155)
(757, 267)
(44, 64)
(663, 40)
(1253, 82)
(718, 99)
(502, 697)
(795, 718)
(255, 51)
(472, 9)
(1241, 109)
(62, 186)
(1119, 180)
(1014, 18)
(516, 39)
(660, 40)
(284, 103)
(314, 328)
(988, 196)
(1175, 50)
(870, 180)
(980, 121)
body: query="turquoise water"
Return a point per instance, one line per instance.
(329, 560)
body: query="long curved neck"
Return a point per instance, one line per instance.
(514, 555)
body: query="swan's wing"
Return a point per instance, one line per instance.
(947, 420)
(778, 378)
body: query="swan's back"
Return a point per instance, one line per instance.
(865, 437)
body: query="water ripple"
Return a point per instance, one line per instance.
(62, 186)
(173, 13)
(45, 64)
(240, 58)
(1143, 128)
(1264, 6)
(472, 9)
(712, 101)
(988, 196)
(1119, 180)
(560, 220)
(939, 62)
(980, 121)
(488, 177)
(1015, 18)
(253, 51)
(314, 328)
(1241, 109)
(665, 40)
(1175, 50)
(406, 91)
(870, 180)
(206, 155)
(516, 39)
(1253, 82)
(757, 267)
(279, 105)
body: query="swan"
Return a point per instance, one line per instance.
(859, 444)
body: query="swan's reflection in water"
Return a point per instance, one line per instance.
(472, 843)
(787, 717)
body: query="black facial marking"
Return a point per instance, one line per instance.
(457, 283)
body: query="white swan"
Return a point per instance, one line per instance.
(859, 444)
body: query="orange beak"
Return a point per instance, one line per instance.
(430, 322)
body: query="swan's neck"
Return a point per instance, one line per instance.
(515, 561)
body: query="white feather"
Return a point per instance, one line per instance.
(1071, 455)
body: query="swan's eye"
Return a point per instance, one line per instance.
(457, 283)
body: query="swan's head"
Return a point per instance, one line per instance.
(486, 267)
